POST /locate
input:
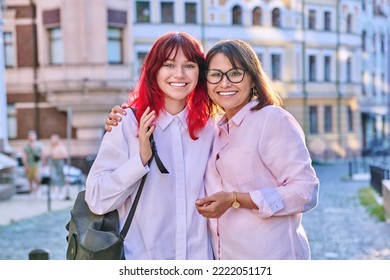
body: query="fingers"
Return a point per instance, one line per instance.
(119, 110)
(146, 128)
(107, 128)
(146, 121)
(202, 202)
(116, 113)
(212, 206)
(114, 117)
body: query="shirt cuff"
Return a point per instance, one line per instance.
(268, 201)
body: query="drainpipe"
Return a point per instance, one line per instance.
(303, 81)
(339, 93)
(3, 93)
(202, 24)
(35, 68)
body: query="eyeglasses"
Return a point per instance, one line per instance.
(234, 75)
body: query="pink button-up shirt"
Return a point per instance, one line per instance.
(262, 153)
(166, 224)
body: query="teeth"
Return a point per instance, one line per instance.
(178, 84)
(227, 93)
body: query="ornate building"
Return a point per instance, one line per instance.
(69, 61)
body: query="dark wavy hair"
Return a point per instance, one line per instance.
(241, 54)
(147, 93)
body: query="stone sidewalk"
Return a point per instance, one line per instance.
(339, 228)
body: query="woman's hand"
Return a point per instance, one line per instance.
(216, 205)
(144, 132)
(114, 117)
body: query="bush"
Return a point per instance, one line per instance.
(367, 197)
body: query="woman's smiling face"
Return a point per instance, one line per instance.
(177, 78)
(230, 96)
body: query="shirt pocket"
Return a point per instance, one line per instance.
(236, 166)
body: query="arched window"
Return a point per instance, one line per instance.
(256, 16)
(237, 15)
(276, 17)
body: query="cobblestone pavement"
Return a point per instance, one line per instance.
(339, 228)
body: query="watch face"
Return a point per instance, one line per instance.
(236, 204)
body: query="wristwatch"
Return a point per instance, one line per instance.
(235, 203)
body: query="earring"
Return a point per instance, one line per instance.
(253, 92)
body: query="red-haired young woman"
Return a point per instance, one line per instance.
(171, 102)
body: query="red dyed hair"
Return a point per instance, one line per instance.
(147, 93)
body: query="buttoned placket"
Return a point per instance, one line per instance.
(223, 141)
(180, 187)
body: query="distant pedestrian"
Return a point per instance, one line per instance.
(33, 159)
(58, 156)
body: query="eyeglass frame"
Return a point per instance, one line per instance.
(225, 74)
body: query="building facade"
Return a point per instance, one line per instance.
(69, 61)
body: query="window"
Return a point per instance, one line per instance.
(383, 80)
(276, 17)
(55, 46)
(373, 84)
(114, 45)
(237, 15)
(256, 16)
(312, 68)
(349, 118)
(383, 43)
(327, 68)
(143, 11)
(328, 119)
(312, 19)
(364, 92)
(12, 121)
(140, 60)
(327, 21)
(349, 23)
(349, 70)
(260, 57)
(190, 12)
(364, 35)
(313, 119)
(167, 12)
(276, 66)
(9, 54)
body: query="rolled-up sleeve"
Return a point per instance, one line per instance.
(282, 149)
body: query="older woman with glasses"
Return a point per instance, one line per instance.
(259, 178)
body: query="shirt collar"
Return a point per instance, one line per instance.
(165, 118)
(239, 116)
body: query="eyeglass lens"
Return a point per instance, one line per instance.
(234, 75)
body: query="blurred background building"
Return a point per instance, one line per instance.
(68, 62)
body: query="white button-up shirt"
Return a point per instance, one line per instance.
(264, 154)
(166, 224)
